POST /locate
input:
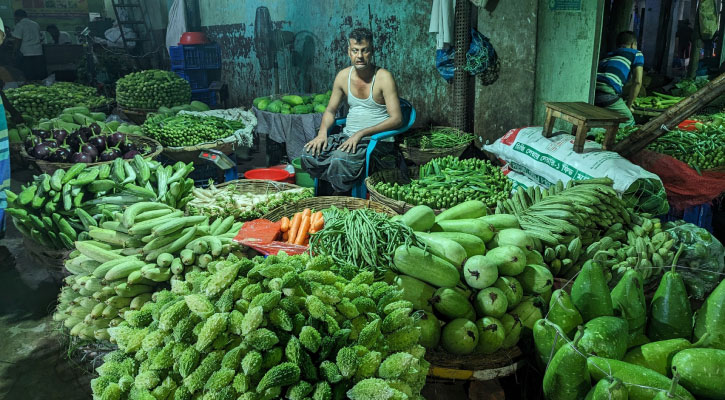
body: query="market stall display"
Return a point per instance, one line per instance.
(36, 102)
(293, 104)
(441, 183)
(438, 141)
(244, 199)
(141, 93)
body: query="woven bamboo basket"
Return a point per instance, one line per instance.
(479, 367)
(189, 154)
(51, 259)
(49, 167)
(136, 115)
(323, 202)
(391, 175)
(421, 156)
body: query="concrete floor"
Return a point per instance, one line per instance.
(33, 361)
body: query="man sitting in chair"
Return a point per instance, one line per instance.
(374, 107)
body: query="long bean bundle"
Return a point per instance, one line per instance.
(438, 138)
(361, 238)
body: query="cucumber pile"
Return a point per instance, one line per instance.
(124, 260)
(56, 210)
(483, 299)
(293, 104)
(188, 130)
(447, 181)
(152, 89)
(36, 102)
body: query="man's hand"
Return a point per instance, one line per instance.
(316, 145)
(350, 145)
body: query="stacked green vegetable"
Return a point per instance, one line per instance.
(437, 138)
(193, 106)
(485, 298)
(35, 102)
(632, 346)
(126, 259)
(188, 130)
(360, 239)
(293, 104)
(284, 327)
(55, 210)
(447, 181)
(152, 89)
(659, 101)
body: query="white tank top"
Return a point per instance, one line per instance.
(363, 113)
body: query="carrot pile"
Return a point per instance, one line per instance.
(298, 229)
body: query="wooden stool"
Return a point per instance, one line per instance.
(584, 117)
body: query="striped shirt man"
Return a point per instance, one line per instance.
(614, 70)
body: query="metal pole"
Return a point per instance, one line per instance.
(460, 78)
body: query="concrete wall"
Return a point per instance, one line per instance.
(403, 44)
(509, 102)
(567, 49)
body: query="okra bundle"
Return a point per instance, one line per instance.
(131, 256)
(55, 210)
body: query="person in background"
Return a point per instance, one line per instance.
(58, 36)
(372, 96)
(4, 165)
(30, 45)
(623, 64)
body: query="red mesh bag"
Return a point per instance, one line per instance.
(685, 187)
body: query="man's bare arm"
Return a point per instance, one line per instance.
(392, 103)
(636, 85)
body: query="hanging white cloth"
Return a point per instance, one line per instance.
(441, 22)
(177, 23)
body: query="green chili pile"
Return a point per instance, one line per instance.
(362, 238)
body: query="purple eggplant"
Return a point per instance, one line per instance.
(98, 141)
(52, 143)
(60, 135)
(127, 145)
(116, 138)
(130, 154)
(62, 154)
(41, 151)
(95, 128)
(85, 133)
(89, 149)
(42, 133)
(32, 141)
(80, 157)
(109, 154)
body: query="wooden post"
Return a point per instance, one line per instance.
(671, 117)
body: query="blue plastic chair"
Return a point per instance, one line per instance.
(359, 190)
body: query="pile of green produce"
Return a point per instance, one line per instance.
(193, 106)
(152, 89)
(687, 87)
(659, 101)
(445, 182)
(243, 206)
(284, 327)
(56, 210)
(437, 138)
(701, 264)
(362, 239)
(188, 130)
(484, 298)
(35, 102)
(293, 104)
(616, 344)
(128, 258)
(701, 149)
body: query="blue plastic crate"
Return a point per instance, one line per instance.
(197, 78)
(697, 215)
(206, 96)
(211, 56)
(202, 56)
(176, 54)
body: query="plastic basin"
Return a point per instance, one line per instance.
(269, 174)
(302, 178)
(190, 38)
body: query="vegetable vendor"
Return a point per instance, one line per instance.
(29, 44)
(623, 64)
(372, 97)
(4, 160)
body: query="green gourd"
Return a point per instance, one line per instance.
(710, 319)
(590, 294)
(608, 389)
(670, 313)
(605, 337)
(669, 394)
(642, 383)
(548, 339)
(567, 376)
(657, 356)
(629, 303)
(563, 313)
(702, 372)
